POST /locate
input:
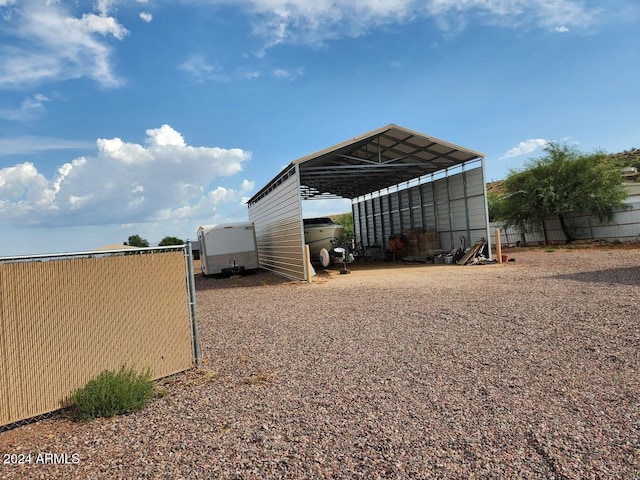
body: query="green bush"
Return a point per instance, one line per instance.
(114, 393)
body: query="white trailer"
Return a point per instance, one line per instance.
(228, 248)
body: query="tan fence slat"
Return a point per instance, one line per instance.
(66, 320)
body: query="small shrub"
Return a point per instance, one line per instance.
(549, 250)
(114, 393)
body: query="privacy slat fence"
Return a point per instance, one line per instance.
(624, 226)
(66, 319)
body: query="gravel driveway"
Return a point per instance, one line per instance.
(524, 370)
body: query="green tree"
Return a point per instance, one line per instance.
(495, 205)
(166, 241)
(346, 220)
(137, 241)
(565, 180)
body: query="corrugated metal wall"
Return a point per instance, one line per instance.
(277, 216)
(623, 227)
(452, 206)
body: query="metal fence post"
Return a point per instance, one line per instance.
(192, 303)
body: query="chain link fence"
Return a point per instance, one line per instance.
(66, 319)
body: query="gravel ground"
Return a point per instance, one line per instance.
(523, 370)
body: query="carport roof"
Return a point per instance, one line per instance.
(373, 161)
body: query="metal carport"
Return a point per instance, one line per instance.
(377, 171)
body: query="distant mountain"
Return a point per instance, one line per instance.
(496, 187)
(628, 158)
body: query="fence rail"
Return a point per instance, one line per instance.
(65, 319)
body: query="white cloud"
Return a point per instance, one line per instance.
(249, 75)
(524, 148)
(288, 74)
(124, 183)
(30, 108)
(48, 43)
(512, 13)
(203, 71)
(206, 208)
(103, 6)
(165, 136)
(17, 181)
(302, 21)
(200, 69)
(247, 185)
(28, 145)
(56, 45)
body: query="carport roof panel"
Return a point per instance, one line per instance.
(375, 160)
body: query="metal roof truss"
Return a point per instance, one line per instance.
(386, 158)
(372, 162)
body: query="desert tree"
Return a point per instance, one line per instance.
(561, 182)
(166, 241)
(137, 241)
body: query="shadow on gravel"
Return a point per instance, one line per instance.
(622, 276)
(259, 278)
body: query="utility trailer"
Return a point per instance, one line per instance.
(228, 248)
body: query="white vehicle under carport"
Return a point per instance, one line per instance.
(228, 249)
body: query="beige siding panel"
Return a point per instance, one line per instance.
(277, 217)
(64, 321)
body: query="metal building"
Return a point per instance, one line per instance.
(397, 180)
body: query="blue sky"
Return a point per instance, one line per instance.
(154, 117)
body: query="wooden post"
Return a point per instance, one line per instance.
(311, 272)
(498, 246)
